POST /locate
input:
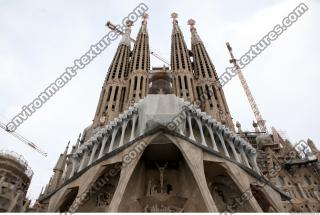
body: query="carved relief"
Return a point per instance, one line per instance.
(160, 196)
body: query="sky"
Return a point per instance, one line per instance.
(39, 39)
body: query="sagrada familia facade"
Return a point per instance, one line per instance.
(152, 148)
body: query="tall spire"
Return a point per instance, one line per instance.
(139, 65)
(181, 63)
(208, 89)
(180, 59)
(112, 96)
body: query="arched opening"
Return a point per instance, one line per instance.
(68, 199)
(162, 182)
(102, 190)
(224, 191)
(261, 199)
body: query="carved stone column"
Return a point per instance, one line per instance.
(124, 126)
(225, 150)
(103, 145)
(134, 119)
(113, 136)
(212, 139)
(191, 136)
(93, 152)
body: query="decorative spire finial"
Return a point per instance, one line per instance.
(129, 23)
(145, 17)
(195, 39)
(174, 16)
(191, 22)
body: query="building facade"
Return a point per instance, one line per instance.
(163, 140)
(15, 178)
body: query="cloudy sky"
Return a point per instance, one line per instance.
(39, 39)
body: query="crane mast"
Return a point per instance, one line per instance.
(260, 121)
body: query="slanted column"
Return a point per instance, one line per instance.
(14, 202)
(301, 190)
(124, 126)
(83, 160)
(26, 206)
(181, 132)
(191, 136)
(1, 182)
(75, 162)
(64, 174)
(68, 168)
(316, 194)
(225, 150)
(103, 145)
(114, 133)
(243, 156)
(134, 119)
(214, 144)
(253, 161)
(93, 152)
(234, 151)
(203, 140)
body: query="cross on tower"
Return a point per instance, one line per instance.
(145, 17)
(174, 16)
(191, 22)
(129, 23)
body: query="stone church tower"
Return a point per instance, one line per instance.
(15, 178)
(163, 140)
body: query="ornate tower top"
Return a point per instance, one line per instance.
(195, 38)
(145, 17)
(174, 16)
(129, 23)
(126, 40)
(191, 22)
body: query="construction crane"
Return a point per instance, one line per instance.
(114, 28)
(23, 139)
(261, 123)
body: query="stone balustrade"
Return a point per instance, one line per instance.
(106, 139)
(196, 125)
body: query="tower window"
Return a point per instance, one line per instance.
(116, 93)
(135, 83)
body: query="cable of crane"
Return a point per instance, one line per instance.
(23, 139)
(114, 28)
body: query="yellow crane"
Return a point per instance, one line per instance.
(260, 121)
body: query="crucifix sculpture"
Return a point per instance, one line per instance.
(161, 170)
